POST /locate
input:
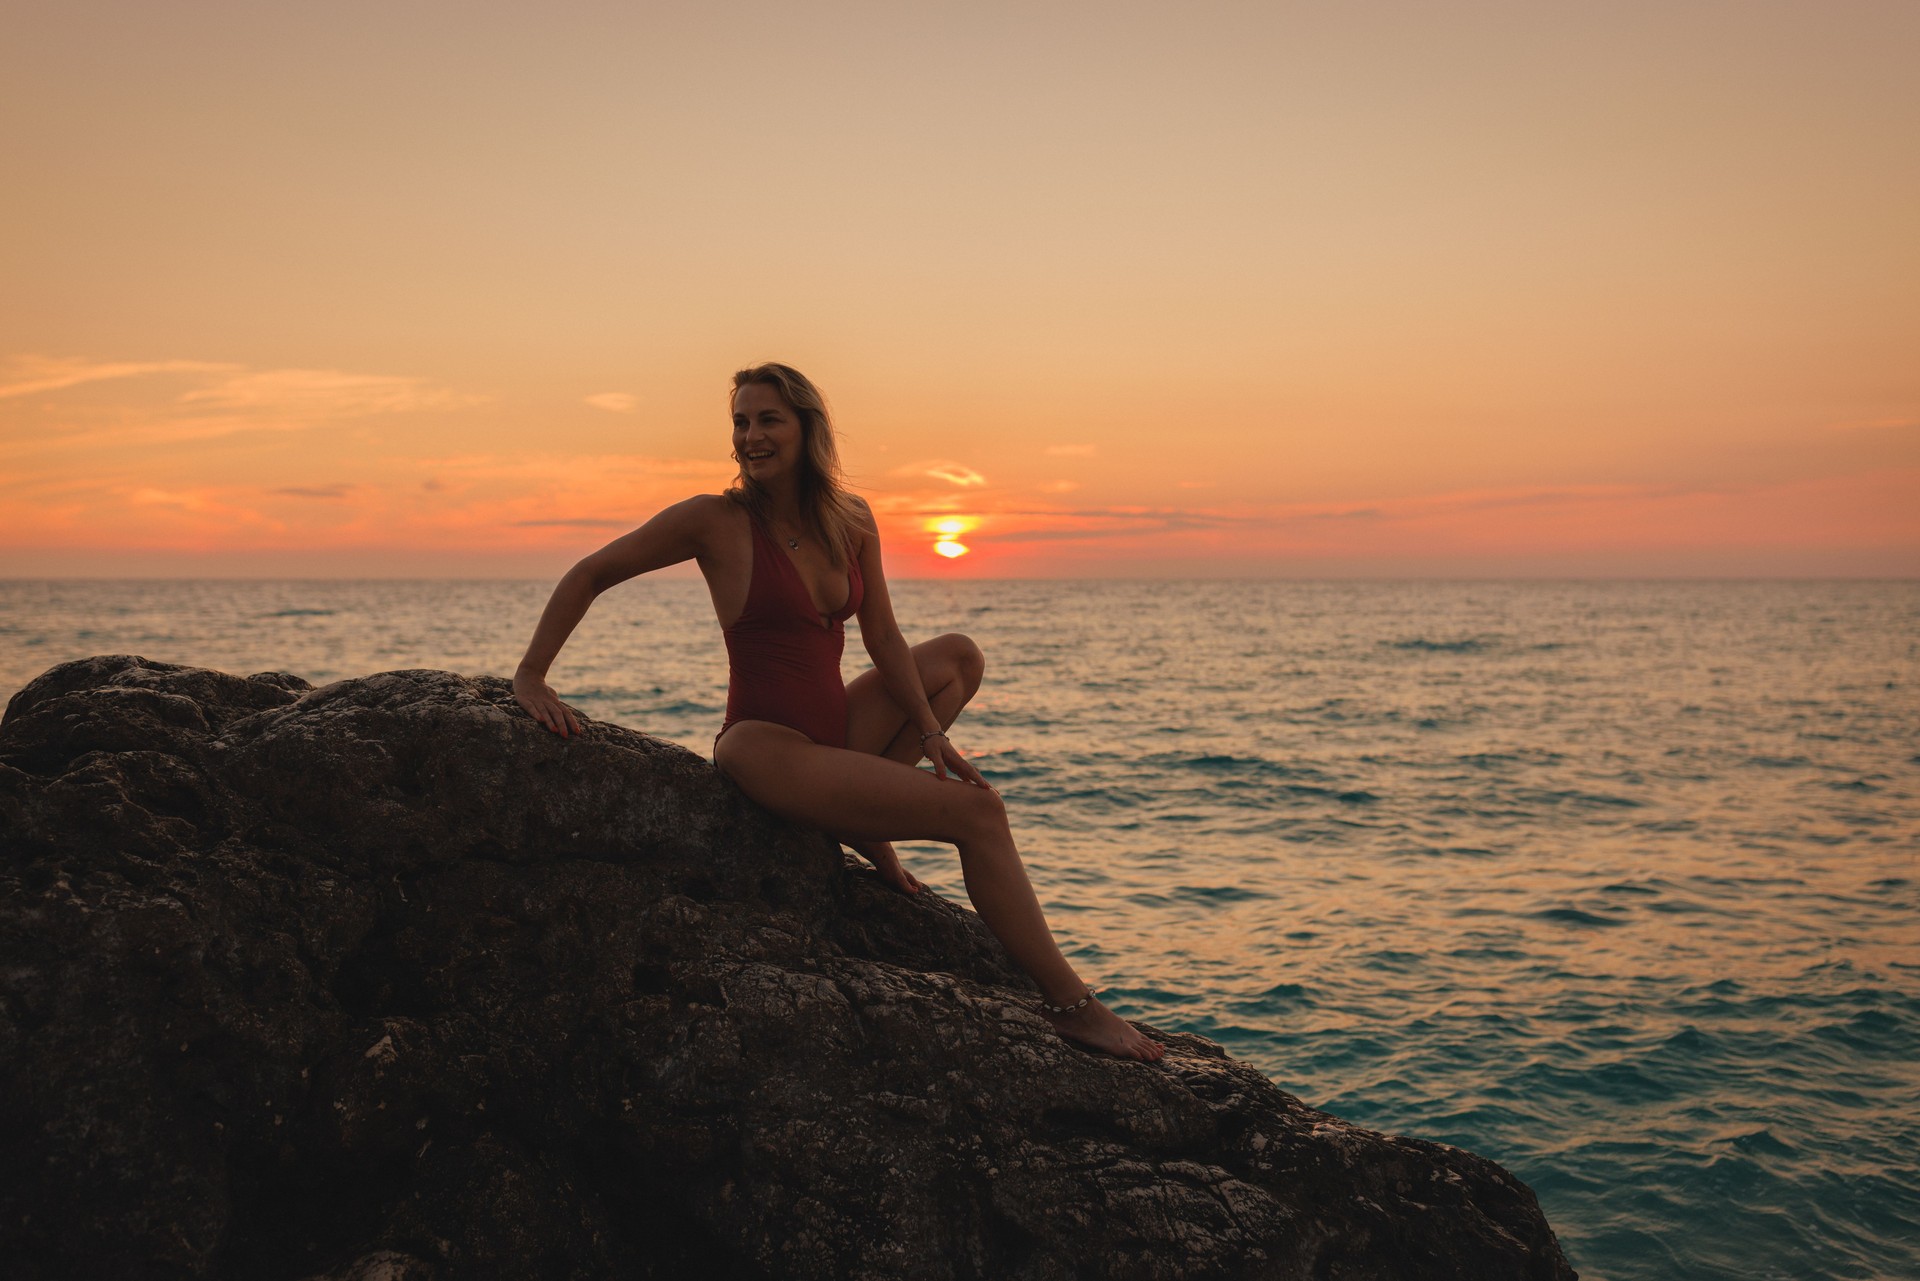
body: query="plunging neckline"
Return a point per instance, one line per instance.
(827, 617)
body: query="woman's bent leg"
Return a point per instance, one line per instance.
(950, 668)
(868, 797)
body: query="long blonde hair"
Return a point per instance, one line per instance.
(827, 509)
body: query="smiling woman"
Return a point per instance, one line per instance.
(789, 555)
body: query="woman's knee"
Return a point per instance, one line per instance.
(985, 814)
(968, 658)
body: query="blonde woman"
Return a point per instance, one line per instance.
(789, 555)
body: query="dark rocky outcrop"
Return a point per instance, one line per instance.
(381, 980)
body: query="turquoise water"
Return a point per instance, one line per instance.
(1615, 883)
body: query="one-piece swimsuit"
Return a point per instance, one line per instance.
(783, 655)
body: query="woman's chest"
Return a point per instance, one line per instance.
(755, 574)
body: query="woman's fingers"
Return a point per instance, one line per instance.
(975, 777)
(962, 767)
(553, 715)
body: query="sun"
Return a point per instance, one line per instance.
(948, 542)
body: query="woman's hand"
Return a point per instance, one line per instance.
(945, 756)
(533, 693)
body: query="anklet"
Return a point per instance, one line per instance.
(1075, 1008)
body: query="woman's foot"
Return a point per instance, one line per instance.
(887, 863)
(1099, 1027)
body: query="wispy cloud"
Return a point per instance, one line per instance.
(25, 375)
(314, 491)
(206, 506)
(326, 393)
(958, 474)
(582, 522)
(1085, 523)
(220, 400)
(616, 468)
(617, 402)
(1031, 522)
(1070, 451)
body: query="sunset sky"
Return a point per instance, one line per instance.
(1382, 289)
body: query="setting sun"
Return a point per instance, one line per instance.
(949, 530)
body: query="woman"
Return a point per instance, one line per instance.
(788, 556)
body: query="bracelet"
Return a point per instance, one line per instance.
(932, 733)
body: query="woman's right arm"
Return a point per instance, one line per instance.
(679, 533)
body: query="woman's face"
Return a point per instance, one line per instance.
(766, 432)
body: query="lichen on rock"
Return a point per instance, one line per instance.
(383, 982)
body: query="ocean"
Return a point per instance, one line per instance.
(1616, 883)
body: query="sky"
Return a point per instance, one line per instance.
(1128, 290)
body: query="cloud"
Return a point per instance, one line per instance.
(315, 491)
(25, 375)
(618, 402)
(1031, 524)
(201, 501)
(615, 468)
(1059, 487)
(1070, 451)
(326, 393)
(587, 522)
(1544, 496)
(953, 473)
(221, 400)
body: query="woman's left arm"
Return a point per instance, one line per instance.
(894, 661)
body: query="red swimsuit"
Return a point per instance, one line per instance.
(783, 656)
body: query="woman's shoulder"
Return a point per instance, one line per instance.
(865, 529)
(703, 518)
(711, 508)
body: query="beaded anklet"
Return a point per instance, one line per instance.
(1075, 1008)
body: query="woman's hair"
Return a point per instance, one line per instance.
(826, 507)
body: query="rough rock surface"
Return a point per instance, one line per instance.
(382, 981)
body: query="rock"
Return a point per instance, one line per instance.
(383, 981)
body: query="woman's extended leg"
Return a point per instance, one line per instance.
(868, 797)
(950, 668)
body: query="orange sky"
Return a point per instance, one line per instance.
(1208, 289)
